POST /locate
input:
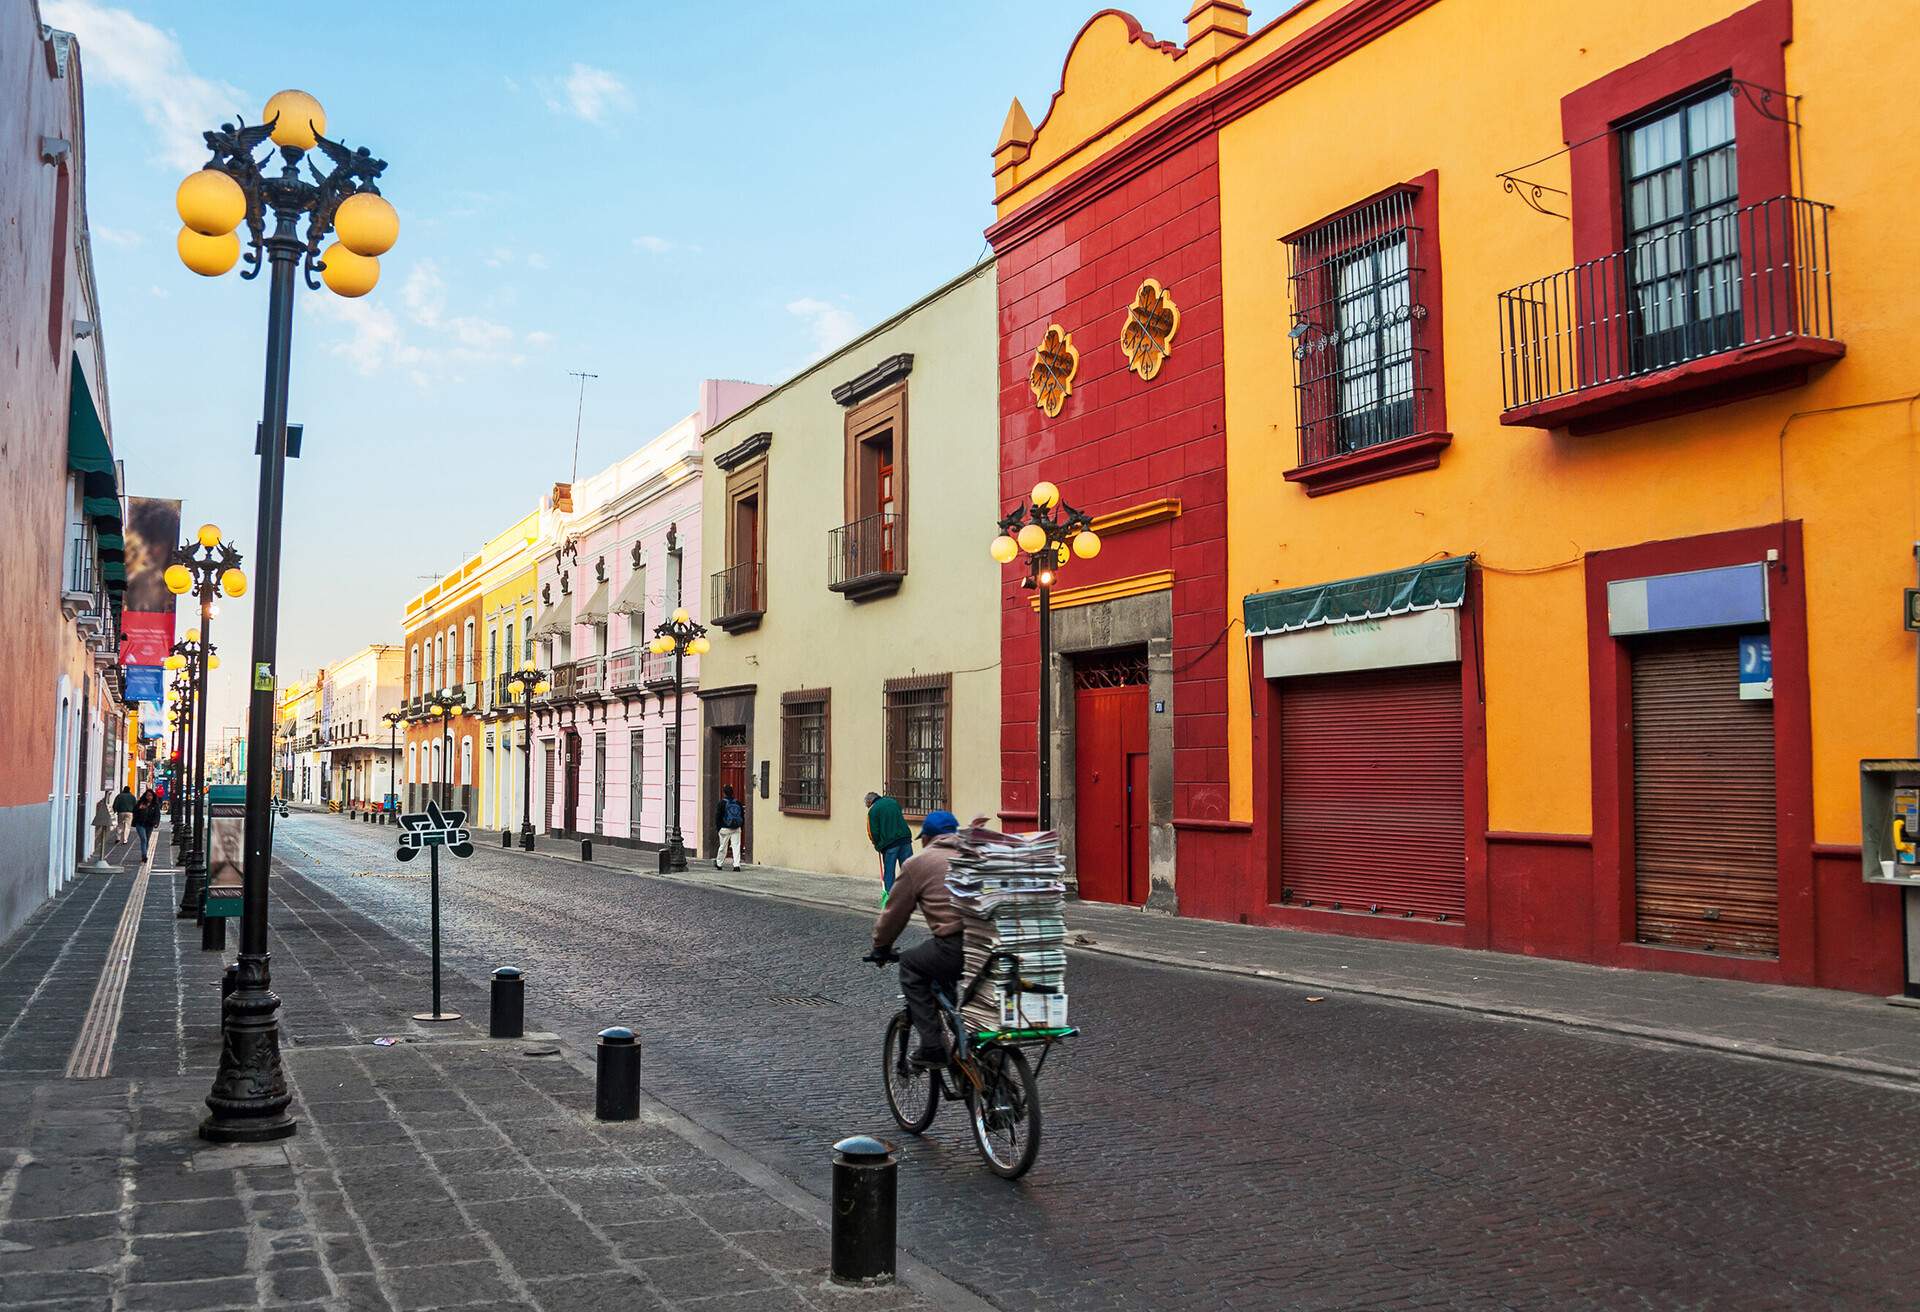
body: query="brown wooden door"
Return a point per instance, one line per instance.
(1372, 799)
(1109, 726)
(734, 773)
(569, 817)
(1705, 816)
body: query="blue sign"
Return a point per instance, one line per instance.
(1756, 667)
(144, 683)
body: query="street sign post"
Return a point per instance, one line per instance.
(433, 829)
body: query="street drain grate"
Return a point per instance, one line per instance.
(801, 1000)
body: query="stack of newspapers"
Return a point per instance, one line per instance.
(1008, 889)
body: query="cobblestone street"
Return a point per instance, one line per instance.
(1213, 1141)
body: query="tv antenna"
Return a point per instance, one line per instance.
(578, 411)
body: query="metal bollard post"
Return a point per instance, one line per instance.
(507, 1018)
(506, 838)
(616, 1090)
(864, 1172)
(586, 849)
(213, 933)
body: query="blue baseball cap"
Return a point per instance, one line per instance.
(938, 823)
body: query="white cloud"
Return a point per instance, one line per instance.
(831, 325)
(422, 338)
(536, 261)
(148, 66)
(653, 245)
(591, 94)
(160, 293)
(125, 238)
(539, 340)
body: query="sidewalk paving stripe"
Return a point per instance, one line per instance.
(93, 1049)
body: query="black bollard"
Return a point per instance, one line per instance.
(863, 1211)
(507, 1018)
(213, 933)
(616, 1090)
(586, 849)
(506, 838)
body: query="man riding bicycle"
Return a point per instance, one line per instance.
(922, 883)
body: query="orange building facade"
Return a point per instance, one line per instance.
(1505, 549)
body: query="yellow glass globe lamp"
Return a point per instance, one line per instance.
(438, 709)
(300, 117)
(542, 688)
(515, 688)
(234, 582)
(1004, 549)
(680, 615)
(207, 256)
(1045, 495)
(1061, 555)
(193, 635)
(175, 662)
(209, 535)
(1086, 544)
(347, 274)
(213, 663)
(179, 580)
(699, 646)
(210, 203)
(1032, 538)
(367, 224)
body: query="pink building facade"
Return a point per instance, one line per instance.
(627, 553)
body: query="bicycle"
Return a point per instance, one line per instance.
(986, 1069)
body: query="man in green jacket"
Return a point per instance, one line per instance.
(887, 829)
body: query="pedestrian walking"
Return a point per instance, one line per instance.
(103, 823)
(146, 819)
(123, 804)
(892, 839)
(729, 818)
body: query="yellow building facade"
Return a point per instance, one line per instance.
(1564, 406)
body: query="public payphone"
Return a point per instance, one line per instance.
(1890, 844)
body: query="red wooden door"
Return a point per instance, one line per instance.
(1109, 725)
(733, 773)
(1137, 881)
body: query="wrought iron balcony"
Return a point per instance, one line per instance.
(659, 670)
(868, 558)
(1741, 297)
(563, 689)
(623, 669)
(739, 596)
(590, 676)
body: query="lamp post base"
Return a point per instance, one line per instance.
(673, 857)
(192, 887)
(249, 1099)
(435, 1017)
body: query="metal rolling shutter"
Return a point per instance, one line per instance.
(1705, 840)
(1372, 792)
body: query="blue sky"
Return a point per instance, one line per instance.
(654, 192)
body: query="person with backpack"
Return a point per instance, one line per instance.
(729, 817)
(123, 805)
(146, 819)
(888, 832)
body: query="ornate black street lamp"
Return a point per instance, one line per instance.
(203, 570)
(526, 684)
(248, 1102)
(179, 693)
(394, 718)
(1049, 532)
(679, 635)
(444, 705)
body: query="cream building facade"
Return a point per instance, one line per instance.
(852, 602)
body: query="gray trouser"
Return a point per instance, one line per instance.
(922, 966)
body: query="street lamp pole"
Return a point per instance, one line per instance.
(445, 704)
(249, 1099)
(1049, 532)
(206, 566)
(527, 684)
(394, 719)
(679, 635)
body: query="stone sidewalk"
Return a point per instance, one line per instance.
(1816, 1027)
(443, 1170)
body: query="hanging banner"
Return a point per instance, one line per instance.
(151, 533)
(145, 684)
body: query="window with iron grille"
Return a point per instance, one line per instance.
(1682, 232)
(805, 751)
(919, 712)
(1360, 362)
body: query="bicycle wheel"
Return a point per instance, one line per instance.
(1006, 1112)
(913, 1092)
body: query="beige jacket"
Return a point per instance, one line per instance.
(922, 883)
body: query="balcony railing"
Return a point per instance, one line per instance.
(659, 669)
(1634, 321)
(502, 699)
(623, 669)
(868, 558)
(563, 690)
(590, 676)
(739, 596)
(80, 569)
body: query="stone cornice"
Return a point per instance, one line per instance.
(750, 449)
(882, 376)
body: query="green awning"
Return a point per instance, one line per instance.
(1436, 584)
(112, 542)
(102, 507)
(87, 449)
(112, 570)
